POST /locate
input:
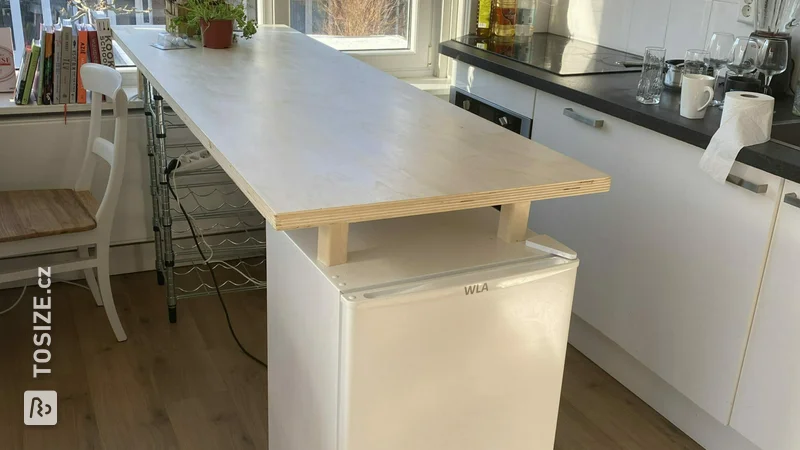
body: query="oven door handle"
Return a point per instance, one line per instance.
(596, 123)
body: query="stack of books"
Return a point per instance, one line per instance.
(50, 73)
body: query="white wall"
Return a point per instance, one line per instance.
(634, 24)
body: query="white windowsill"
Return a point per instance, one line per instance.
(378, 44)
(9, 108)
(431, 85)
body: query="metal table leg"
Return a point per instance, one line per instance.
(154, 179)
(166, 218)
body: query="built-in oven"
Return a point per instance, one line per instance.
(490, 111)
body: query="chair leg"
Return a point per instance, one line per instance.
(104, 279)
(83, 252)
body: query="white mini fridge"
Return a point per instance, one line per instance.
(434, 336)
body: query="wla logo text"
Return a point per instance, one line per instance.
(475, 288)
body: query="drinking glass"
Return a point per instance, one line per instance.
(651, 83)
(719, 48)
(743, 56)
(695, 61)
(772, 59)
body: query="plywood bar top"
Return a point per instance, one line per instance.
(313, 136)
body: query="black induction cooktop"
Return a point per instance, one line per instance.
(558, 54)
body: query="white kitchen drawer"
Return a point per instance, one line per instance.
(671, 260)
(767, 406)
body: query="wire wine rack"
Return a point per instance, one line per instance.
(231, 232)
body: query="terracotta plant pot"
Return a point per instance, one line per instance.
(217, 33)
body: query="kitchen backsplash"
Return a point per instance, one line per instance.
(634, 24)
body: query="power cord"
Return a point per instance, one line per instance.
(25, 287)
(168, 171)
(22, 294)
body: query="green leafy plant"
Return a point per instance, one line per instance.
(208, 10)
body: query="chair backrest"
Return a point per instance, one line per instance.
(104, 81)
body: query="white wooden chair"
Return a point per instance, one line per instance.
(41, 221)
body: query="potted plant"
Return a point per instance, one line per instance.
(215, 20)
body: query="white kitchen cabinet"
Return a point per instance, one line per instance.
(767, 406)
(671, 260)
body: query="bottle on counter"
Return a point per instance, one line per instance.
(484, 22)
(505, 18)
(526, 11)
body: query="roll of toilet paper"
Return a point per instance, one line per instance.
(746, 120)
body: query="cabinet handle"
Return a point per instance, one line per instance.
(749, 185)
(791, 198)
(596, 123)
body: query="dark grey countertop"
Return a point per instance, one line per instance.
(614, 94)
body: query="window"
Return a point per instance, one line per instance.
(394, 35)
(26, 16)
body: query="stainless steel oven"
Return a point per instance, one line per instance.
(490, 111)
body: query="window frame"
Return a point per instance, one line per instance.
(17, 26)
(431, 22)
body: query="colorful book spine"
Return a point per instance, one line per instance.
(83, 58)
(39, 85)
(23, 72)
(94, 47)
(73, 68)
(49, 40)
(66, 49)
(103, 27)
(56, 66)
(26, 96)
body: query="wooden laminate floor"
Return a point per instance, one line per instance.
(187, 386)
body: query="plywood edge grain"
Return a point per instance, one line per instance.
(432, 205)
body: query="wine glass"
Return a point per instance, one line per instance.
(772, 59)
(743, 56)
(719, 47)
(695, 61)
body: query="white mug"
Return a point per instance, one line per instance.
(697, 92)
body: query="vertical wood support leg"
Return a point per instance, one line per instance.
(332, 244)
(513, 225)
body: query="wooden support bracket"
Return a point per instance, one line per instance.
(513, 225)
(332, 244)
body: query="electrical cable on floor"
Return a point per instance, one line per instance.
(169, 169)
(59, 280)
(22, 294)
(25, 287)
